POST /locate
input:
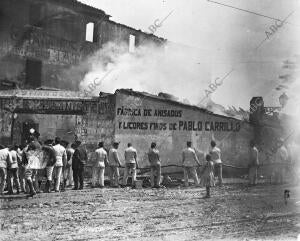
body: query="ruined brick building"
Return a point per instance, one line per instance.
(40, 40)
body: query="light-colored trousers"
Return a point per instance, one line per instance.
(68, 175)
(218, 167)
(49, 171)
(3, 176)
(155, 177)
(98, 176)
(130, 169)
(58, 174)
(114, 175)
(193, 172)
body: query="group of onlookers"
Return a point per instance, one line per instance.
(66, 162)
(190, 162)
(279, 169)
(111, 160)
(61, 161)
(212, 167)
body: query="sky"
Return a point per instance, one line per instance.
(227, 39)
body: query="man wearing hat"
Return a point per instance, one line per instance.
(79, 160)
(114, 164)
(99, 166)
(189, 162)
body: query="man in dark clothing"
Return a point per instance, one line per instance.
(79, 160)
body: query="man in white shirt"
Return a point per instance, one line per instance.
(189, 163)
(61, 157)
(99, 166)
(216, 158)
(5, 162)
(68, 175)
(114, 164)
(13, 170)
(130, 164)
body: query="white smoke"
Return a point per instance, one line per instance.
(171, 68)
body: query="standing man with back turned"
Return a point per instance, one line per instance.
(79, 160)
(130, 164)
(5, 161)
(189, 162)
(99, 166)
(216, 158)
(155, 163)
(114, 164)
(61, 158)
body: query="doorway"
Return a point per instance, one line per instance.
(26, 126)
(33, 73)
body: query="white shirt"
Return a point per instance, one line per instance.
(189, 157)
(101, 156)
(130, 155)
(216, 155)
(113, 157)
(5, 158)
(61, 154)
(14, 159)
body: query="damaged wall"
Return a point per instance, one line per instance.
(141, 120)
(56, 113)
(42, 43)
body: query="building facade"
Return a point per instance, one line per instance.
(43, 41)
(125, 116)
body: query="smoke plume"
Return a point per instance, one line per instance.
(170, 68)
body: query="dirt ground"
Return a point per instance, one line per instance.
(234, 212)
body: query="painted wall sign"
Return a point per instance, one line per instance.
(28, 50)
(181, 126)
(159, 115)
(141, 120)
(50, 106)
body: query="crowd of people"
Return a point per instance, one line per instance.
(65, 164)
